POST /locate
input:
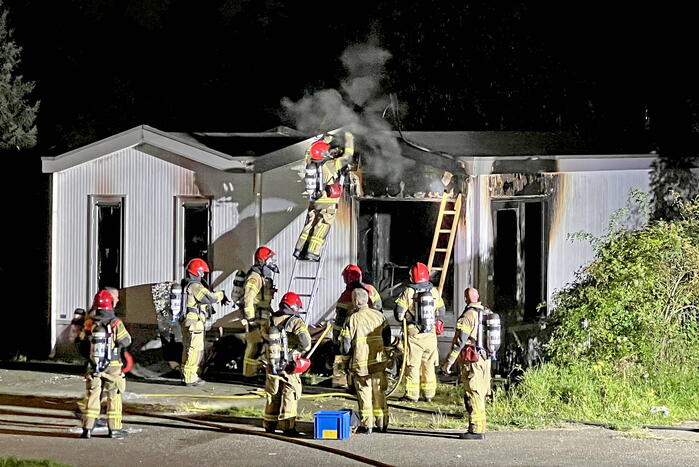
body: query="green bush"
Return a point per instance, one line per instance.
(624, 336)
(15, 462)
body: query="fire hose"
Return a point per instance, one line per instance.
(405, 359)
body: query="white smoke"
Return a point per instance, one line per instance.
(358, 106)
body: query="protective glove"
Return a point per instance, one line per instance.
(225, 300)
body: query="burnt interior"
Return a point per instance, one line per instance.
(109, 244)
(394, 235)
(519, 258)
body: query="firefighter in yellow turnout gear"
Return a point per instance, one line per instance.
(286, 339)
(352, 275)
(198, 301)
(475, 376)
(420, 304)
(324, 165)
(364, 338)
(107, 336)
(258, 293)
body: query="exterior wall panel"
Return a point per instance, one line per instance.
(583, 202)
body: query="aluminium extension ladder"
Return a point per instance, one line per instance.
(444, 232)
(305, 273)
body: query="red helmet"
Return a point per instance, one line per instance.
(197, 266)
(263, 253)
(419, 273)
(352, 273)
(319, 150)
(293, 301)
(103, 301)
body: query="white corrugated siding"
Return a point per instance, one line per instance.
(583, 202)
(149, 185)
(283, 214)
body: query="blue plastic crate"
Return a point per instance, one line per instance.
(331, 424)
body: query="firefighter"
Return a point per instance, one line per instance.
(324, 165)
(198, 301)
(420, 304)
(475, 376)
(107, 336)
(258, 292)
(363, 338)
(286, 339)
(352, 275)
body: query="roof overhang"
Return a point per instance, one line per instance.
(144, 134)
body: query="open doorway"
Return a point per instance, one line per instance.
(106, 244)
(193, 232)
(519, 266)
(393, 236)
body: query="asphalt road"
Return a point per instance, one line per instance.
(37, 422)
(39, 433)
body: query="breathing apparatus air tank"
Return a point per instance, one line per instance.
(426, 311)
(101, 349)
(176, 301)
(493, 332)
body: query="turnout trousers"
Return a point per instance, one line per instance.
(319, 218)
(371, 397)
(114, 384)
(476, 380)
(420, 369)
(253, 350)
(192, 354)
(283, 393)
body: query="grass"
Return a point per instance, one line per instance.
(16, 462)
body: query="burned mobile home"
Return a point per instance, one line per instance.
(129, 212)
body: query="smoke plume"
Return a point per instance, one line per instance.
(358, 105)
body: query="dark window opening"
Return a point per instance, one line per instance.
(109, 245)
(393, 236)
(519, 258)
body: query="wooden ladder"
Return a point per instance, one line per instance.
(450, 217)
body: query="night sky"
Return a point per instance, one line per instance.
(103, 66)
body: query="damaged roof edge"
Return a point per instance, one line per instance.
(485, 165)
(148, 135)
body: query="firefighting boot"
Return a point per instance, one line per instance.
(469, 435)
(297, 254)
(292, 433)
(198, 382)
(117, 434)
(86, 434)
(312, 257)
(365, 430)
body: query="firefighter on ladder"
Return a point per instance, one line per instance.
(352, 275)
(475, 364)
(420, 304)
(107, 336)
(324, 164)
(258, 292)
(364, 338)
(198, 301)
(286, 339)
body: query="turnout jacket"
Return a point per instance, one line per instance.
(406, 305)
(297, 335)
(344, 306)
(364, 337)
(330, 171)
(198, 300)
(120, 336)
(466, 332)
(258, 292)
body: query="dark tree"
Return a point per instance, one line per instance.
(17, 114)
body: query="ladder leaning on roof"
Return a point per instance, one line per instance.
(444, 232)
